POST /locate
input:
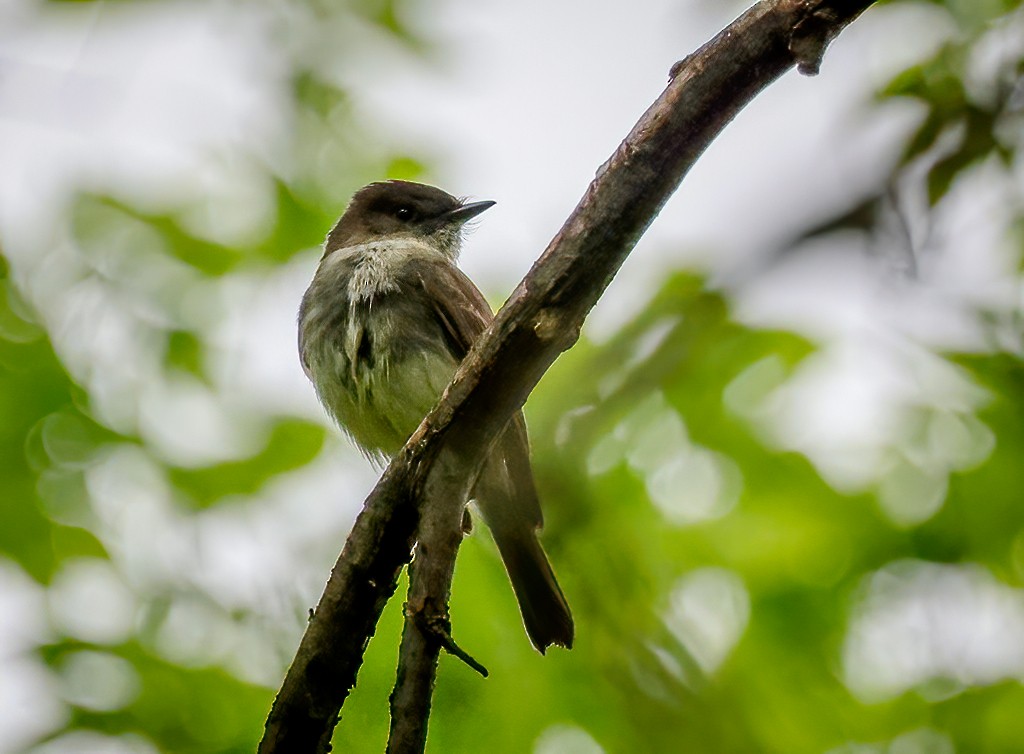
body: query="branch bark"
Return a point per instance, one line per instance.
(426, 611)
(541, 319)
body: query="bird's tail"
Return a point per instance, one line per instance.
(507, 499)
(545, 611)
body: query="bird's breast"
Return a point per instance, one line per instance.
(370, 346)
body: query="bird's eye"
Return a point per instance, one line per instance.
(403, 213)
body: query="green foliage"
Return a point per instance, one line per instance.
(785, 561)
(98, 222)
(800, 549)
(41, 426)
(185, 352)
(179, 708)
(976, 117)
(291, 444)
(719, 581)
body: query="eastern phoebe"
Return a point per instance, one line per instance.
(382, 329)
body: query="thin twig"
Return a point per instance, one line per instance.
(541, 319)
(440, 627)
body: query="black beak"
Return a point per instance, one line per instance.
(466, 212)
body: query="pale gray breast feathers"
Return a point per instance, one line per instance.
(368, 346)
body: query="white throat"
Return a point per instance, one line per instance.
(376, 264)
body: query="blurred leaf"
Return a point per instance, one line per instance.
(405, 169)
(94, 215)
(938, 86)
(73, 542)
(291, 443)
(318, 95)
(179, 708)
(16, 324)
(983, 515)
(933, 82)
(299, 227)
(387, 14)
(40, 428)
(185, 352)
(978, 142)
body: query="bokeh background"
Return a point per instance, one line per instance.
(782, 470)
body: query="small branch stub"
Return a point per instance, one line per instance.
(812, 35)
(438, 626)
(552, 326)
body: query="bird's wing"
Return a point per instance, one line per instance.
(463, 314)
(456, 303)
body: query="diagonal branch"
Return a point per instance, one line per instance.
(541, 319)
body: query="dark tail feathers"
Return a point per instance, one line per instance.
(545, 611)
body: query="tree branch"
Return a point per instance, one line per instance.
(430, 579)
(541, 319)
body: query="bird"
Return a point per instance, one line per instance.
(384, 324)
